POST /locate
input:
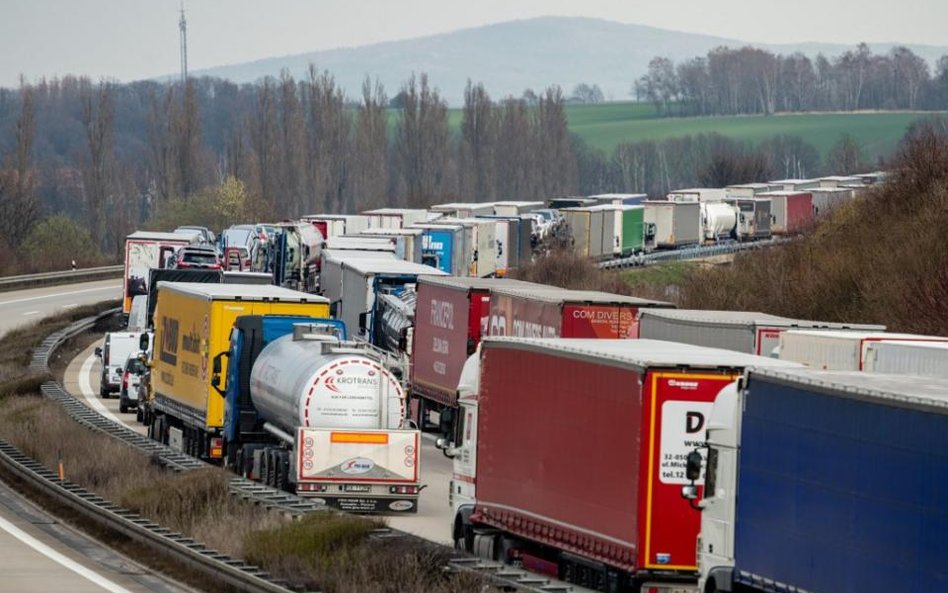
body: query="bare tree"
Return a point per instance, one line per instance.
(19, 209)
(98, 118)
(370, 161)
(478, 140)
(421, 142)
(330, 146)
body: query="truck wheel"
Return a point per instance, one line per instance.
(103, 391)
(123, 408)
(139, 415)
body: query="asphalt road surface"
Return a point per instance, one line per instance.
(37, 552)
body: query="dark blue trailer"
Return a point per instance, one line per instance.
(842, 483)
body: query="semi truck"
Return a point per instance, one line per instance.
(451, 317)
(295, 256)
(750, 332)
(309, 412)
(824, 482)
(551, 312)
(838, 350)
(395, 218)
(592, 495)
(356, 298)
(443, 247)
(145, 250)
(193, 322)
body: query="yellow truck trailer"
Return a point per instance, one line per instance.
(193, 323)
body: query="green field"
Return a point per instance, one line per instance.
(608, 124)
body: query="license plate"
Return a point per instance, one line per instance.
(357, 488)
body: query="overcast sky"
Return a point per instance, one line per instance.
(133, 39)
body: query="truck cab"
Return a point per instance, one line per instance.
(460, 444)
(716, 539)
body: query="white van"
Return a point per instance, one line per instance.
(115, 349)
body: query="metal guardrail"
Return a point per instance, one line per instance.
(687, 253)
(63, 277)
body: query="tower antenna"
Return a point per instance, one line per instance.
(183, 27)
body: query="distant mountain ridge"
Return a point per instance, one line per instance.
(513, 56)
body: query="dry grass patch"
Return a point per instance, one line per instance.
(332, 552)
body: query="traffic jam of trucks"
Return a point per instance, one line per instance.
(616, 443)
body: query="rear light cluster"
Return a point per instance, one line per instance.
(217, 448)
(403, 489)
(125, 381)
(311, 487)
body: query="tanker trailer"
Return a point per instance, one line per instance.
(313, 414)
(718, 221)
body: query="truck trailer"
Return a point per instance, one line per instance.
(312, 413)
(193, 323)
(838, 350)
(825, 482)
(145, 250)
(593, 494)
(452, 314)
(792, 211)
(750, 332)
(676, 224)
(551, 312)
(929, 359)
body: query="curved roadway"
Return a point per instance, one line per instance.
(37, 552)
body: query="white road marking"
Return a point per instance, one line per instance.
(59, 558)
(59, 294)
(89, 395)
(31, 313)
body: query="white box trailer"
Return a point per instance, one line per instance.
(676, 223)
(464, 209)
(408, 242)
(795, 184)
(838, 350)
(750, 332)
(748, 190)
(825, 200)
(926, 359)
(586, 225)
(334, 225)
(145, 250)
(833, 181)
(395, 218)
(697, 194)
(516, 208)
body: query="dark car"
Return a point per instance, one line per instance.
(194, 256)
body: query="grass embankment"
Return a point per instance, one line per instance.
(329, 551)
(880, 259)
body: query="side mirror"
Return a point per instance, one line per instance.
(689, 492)
(693, 466)
(216, 367)
(143, 342)
(447, 447)
(98, 352)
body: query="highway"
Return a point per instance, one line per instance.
(38, 553)
(23, 306)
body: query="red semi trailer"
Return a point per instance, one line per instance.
(590, 493)
(451, 315)
(553, 312)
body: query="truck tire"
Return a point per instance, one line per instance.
(123, 407)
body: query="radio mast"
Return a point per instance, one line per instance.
(183, 27)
